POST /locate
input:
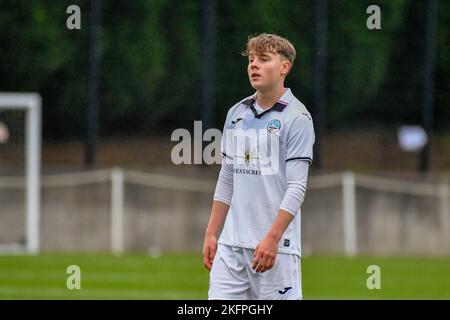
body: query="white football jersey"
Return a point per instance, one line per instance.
(259, 144)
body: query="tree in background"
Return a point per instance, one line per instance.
(151, 61)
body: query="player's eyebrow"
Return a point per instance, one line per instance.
(263, 55)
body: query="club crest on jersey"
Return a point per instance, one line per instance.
(274, 125)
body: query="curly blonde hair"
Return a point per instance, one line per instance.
(266, 42)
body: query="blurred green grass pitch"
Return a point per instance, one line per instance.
(182, 276)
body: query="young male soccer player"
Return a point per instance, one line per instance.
(259, 193)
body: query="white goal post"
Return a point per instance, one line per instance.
(30, 103)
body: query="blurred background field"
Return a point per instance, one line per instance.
(182, 277)
(114, 91)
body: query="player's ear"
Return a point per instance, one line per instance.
(285, 67)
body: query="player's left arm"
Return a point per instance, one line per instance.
(267, 249)
(300, 143)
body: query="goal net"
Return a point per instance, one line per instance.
(20, 143)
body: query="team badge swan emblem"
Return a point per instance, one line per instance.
(274, 125)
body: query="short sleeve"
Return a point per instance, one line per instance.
(300, 139)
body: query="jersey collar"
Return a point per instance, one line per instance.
(278, 106)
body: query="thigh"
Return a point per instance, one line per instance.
(228, 278)
(282, 282)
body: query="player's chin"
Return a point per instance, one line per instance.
(257, 85)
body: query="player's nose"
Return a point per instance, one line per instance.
(254, 66)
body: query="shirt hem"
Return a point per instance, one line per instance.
(249, 246)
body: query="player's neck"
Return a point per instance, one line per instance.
(267, 99)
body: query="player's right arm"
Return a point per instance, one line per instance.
(222, 194)
(219, 212)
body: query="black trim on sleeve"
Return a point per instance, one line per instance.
(300, 158)
(224, 154)
(309, 117)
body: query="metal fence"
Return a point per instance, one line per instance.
(123, 210)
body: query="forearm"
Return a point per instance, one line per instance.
(296, 179)
(266, 251)
(219, 212)
(280, 225)
(296, 176)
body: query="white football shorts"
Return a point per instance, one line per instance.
(232, 277)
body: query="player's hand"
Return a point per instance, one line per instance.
(265, 255)
(209, 251)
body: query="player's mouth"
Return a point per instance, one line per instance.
(255, 76)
